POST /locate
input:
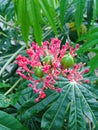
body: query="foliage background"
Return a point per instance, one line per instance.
(24, 21)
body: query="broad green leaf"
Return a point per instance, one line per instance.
(4, 101)
(8, 122)
(34, 17)
(79, 99)
(49, 13)
(63, 6)
(79, 6)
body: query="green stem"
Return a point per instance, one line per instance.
(7, 63)
(6, 93)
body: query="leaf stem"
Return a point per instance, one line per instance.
(7, 63)
(6, 93)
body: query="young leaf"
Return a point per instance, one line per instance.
(23, 18)
(34, 17)
(63, 6)
(79, 6)
(49, 13)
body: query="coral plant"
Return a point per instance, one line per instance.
(47, 63)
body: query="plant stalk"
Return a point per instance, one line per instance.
(6, 93)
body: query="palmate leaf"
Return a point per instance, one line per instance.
(79, 99)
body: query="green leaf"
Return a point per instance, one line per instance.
(4, 102)
(79, 6)
(8, 122)
(34, 17)
(63, 6)
(49, 13)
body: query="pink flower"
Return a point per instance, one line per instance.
(86, 70)
(42, 94)
(35, 55)
(46, 68)
(86, 81)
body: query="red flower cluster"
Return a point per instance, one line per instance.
(47, 58)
